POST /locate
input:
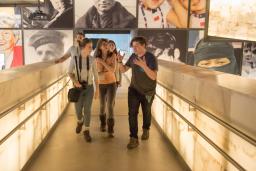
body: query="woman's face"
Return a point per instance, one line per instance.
(152, 3)
(111, 47)
(87, 49)
(7, 40)
(104, 46)
(58, 5)
(216, 62)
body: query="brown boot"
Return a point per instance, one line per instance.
(145, 134)
(79, 127)
(103, 123)
(87, 136)
(111, 123)
(134, 142)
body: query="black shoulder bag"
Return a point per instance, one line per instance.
(74, 93)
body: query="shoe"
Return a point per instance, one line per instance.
(87, 136)
(103, 123)
(111, 123)
(79, 127)
(133, 143)
(145, 134)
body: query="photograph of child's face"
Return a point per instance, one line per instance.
(152, 3)
(215, 62)
(104, 5)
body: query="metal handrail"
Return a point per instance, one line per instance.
(31, 115)
(13, 107)
(216, 147)
(212, 116)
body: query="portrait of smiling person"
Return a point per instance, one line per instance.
(106, 14)
(10, 49)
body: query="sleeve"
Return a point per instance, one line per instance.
(71, 66)
(68, 52)
(94, 71)
(153, 63)
(129, 61)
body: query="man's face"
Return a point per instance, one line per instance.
(152, 3)
(216, 62)
(7, 40)
(48, 52)
(104, 5)
(138, 48)
(79, 37)
(58, 4)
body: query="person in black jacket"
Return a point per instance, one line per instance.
(107, 14)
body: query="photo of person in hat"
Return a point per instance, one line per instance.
(46, 45)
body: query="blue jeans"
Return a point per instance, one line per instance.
(107, 96)
(84, 105)
(135, 99)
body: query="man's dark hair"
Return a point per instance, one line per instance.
(80, 33)
(141, 40)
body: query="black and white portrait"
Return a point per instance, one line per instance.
(166, 45)
(249, 60)
(57, 14)
(213, 55)
(10, 17)
(45, 45)
(105, 14)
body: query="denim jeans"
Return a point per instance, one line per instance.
(135, 99)
(84, 105)
(107, 97)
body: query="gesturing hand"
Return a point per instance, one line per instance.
(120, 57)
(140, 61)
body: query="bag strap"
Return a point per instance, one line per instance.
(87, 67)
(78, 75)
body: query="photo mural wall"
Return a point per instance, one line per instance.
(172, 27)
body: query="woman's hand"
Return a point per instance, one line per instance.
(120, 57)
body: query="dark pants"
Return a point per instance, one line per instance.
(107, 96)
(134, 100)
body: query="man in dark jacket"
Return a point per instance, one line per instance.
(107, 14)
